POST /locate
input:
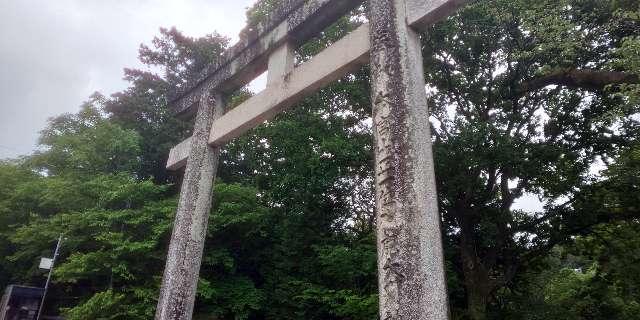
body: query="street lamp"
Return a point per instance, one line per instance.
(44, 263)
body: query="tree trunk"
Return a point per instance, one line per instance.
(478, 286)
(575, 78)
(477, 301)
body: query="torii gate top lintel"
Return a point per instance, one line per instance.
(294, 21)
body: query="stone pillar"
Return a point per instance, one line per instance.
(410, 255)
(180, 281)
(281, 62)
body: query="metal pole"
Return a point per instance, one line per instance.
(46, 285)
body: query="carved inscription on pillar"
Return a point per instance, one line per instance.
(410, 258)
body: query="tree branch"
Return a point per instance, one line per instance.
(592, 80)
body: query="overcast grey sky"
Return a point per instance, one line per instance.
(55, 53)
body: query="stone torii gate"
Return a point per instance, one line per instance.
(410, 255)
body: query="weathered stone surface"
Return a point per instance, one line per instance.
(410, 256)
(180, 279)
(295, 21)
(419, 11)
(423, 13)
(286, 89)
(281, 63)
(330, 65)
(178, 155)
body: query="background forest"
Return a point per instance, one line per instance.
(528, 98)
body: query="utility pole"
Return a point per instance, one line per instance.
(46, 285)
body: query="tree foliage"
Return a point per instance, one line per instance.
(528, 99)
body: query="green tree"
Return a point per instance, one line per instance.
(143, 107)
(525, 97)
(113, 248)
(593, 276)
(86, 143)
(12, 178)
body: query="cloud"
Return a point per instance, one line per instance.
(54, 54)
